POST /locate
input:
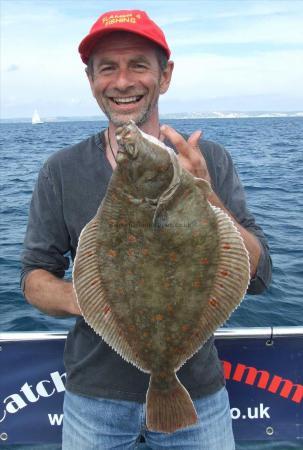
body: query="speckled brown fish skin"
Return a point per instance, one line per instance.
(158, 270)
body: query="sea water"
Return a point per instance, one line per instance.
(268, 155)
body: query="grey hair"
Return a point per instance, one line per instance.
(90, 66)
(160, 53)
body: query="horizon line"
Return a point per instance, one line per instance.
(192, 114)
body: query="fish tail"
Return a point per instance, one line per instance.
(169, 409)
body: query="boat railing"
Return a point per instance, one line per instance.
(222, 333)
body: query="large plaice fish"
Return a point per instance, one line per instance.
(158, 270)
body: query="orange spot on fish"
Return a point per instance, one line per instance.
(112, 221)
(141, 282)
(145, 252)
(112, 253)
(226, 246)
(197, 284)
(173, 256)
(166, 284)
(131, 238)
(145, 334)
(185, 328)
(213, 302)
(131, 328)
(158, 318)
(106, 309)
(224, 273)
(130, 252)
(170, 307)
(204, 261)
(122, 222)
(178, 350)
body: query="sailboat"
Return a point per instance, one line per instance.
(36, 118)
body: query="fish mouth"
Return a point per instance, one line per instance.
(121, 156)
(126, 100)
(126, 139)
(128, 151)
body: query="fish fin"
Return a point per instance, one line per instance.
(203, 185)
(91, 296)
(234, 267)
(232, 276)
(229, 286)
(169, 410)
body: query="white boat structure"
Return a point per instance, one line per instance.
(36, 118)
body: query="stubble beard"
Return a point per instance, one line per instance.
(139, 118)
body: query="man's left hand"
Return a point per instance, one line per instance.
(189, 154)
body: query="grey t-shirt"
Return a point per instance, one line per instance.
(70, 187)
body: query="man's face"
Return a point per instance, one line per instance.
(127, 79)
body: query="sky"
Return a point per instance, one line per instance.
(244, 55)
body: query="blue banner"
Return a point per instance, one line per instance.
(265, 384)
(32, 380)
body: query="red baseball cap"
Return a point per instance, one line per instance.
(134, 21)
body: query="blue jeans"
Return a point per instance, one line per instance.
(99, 424)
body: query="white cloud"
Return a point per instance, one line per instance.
(220, 52)
(256, 9)
(216, 75)
(281, 31)
(12, 68)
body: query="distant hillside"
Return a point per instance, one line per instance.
(185, 115)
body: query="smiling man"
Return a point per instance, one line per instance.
(126, 79)
(128, 68)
